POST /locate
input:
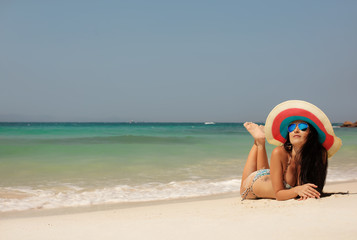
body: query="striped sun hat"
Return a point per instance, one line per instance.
(278, 120)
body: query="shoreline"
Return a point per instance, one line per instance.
(227, 217)
(110, 207)
(124, 205)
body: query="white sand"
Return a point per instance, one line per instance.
(333, 217)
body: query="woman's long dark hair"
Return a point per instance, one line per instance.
(313, 160)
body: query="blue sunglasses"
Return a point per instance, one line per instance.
(301, 126)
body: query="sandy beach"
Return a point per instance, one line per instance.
(331, 217)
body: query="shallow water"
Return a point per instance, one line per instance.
(50, 165)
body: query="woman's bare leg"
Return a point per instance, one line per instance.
(262, 152)
(251, 163)
(257, 157)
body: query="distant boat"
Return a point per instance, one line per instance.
(210, 123)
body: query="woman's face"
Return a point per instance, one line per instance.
(297, 136)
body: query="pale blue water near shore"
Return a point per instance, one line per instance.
(53, 165)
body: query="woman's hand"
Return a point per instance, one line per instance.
(307, 191)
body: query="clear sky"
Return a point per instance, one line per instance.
(224, 61)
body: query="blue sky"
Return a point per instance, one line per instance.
(224, 61)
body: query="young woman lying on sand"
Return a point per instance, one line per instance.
(298, 166)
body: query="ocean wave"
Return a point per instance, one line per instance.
(341, 175)
(124, 139)
(69, 195)
(26, 198)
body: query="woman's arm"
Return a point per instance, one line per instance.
(278, 156)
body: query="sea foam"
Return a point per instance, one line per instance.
(74, 196)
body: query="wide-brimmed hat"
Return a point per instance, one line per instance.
(278, 120)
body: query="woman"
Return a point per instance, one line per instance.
(298, 166)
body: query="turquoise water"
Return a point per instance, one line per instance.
(49, 165)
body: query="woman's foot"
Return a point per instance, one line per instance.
(257, 133)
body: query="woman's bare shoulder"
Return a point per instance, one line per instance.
(279, 153)
(280, 150)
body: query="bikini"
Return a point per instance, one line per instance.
(258, 174)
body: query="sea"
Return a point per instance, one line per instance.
(57, 165)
